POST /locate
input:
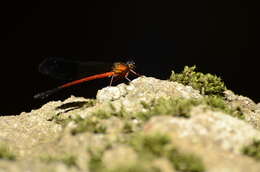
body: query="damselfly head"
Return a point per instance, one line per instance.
(130, 64)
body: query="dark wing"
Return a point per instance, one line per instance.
(65, 69)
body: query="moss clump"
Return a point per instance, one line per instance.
(181, 107)
(178, 107)
(128, 127)
(253, 150)
(217, 103)
(185, 162)
(154, 146)
(90, 124)
(67, 159)
(148, 148)
(207, 84)
(95, 163)
(111, 111)
(150, 144)
(6, 154)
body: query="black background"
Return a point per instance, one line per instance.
(160, 36)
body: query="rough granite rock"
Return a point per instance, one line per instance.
(247, 106)
(41, 140)
(143, 89)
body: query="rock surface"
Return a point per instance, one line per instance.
(42, 140)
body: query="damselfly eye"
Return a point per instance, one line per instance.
(131, 64)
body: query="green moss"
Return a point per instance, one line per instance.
(6, 154)
(67, 159)
(102, 114)
(179, 107)
(185, 162)
(154, 146)
(111, 111)
(90, 103)
(217, 103)
(148, 147)
(90, 124)
(128, 128)
(95, 163)
(253, 150)
(207, 84)
(150, 144)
